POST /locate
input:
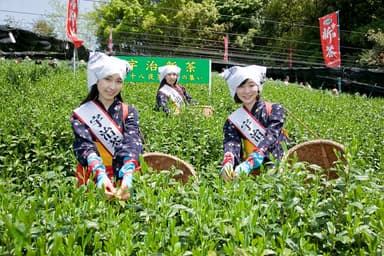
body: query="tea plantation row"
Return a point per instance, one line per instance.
(44, 212)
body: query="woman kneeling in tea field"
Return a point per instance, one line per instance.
(171, 97)
(107, 138)
(253, 134)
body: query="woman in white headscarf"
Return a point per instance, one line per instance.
(107, 141)
(253, 134)
(171, 97)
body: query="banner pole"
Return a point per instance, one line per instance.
(339, 84)
(74, 59)
(339, 78)
(209, 82)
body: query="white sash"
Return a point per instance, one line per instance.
(246, 123)
(173, 94)
(101, 125)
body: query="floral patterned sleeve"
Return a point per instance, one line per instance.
(83, 144)
(274, 125)
(232, 141)
(131, 145)
(187, 96)
(162, 102)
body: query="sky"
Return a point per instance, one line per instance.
(25, 12)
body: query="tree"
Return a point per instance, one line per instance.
(374, 56)
(159, 28)
(85, 23)
(12, 22)
(242, 19)
(42, 27)
(355, 19)
(268, 30)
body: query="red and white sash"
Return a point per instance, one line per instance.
(173, 94)
(247, 124)
(102, 126)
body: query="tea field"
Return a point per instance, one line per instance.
(44, 212)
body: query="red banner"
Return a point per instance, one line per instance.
(226, 47)
(71, 23)
(110, 44)
(330, 40)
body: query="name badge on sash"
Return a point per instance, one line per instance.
(246, 123)
(101, 125)
(173, 94)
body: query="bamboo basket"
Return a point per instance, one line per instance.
(323, 153)
(160, 161)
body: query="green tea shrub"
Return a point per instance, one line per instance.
(44, 212)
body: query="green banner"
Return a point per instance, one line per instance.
(145, 69)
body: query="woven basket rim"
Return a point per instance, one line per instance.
(312, 142)
(320, 152)
(175, 158)
(318, 142)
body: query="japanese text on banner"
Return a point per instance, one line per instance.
(330, 40)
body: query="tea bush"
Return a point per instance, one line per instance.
(44, 212)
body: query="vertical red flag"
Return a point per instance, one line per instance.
(330, 40)
(71, 23)
(226, 47)
(110, 44)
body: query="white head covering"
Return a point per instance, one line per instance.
(164, 70)
(101, 65)
(236, 75)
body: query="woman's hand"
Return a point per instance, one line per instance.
(104, 182)
(126, 173)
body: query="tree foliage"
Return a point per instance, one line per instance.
(145, 27)
(269, 30)
(42, 27)
(374, 56)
